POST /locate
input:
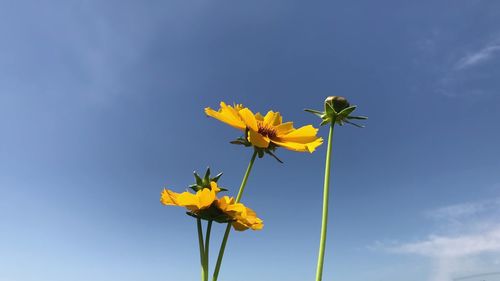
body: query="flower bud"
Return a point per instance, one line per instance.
(338, 103)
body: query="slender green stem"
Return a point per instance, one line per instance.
(221, 252)
(228, 227)
(206, 255)
(324, 221)
(245, 177)
(202, 254)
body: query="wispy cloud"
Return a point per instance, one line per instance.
(485, 54)
(464, 210)
(467, 240)
(461, 70)
(442, 246)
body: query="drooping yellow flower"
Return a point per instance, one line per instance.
(205, 204)
(242, 217)
(269, 130)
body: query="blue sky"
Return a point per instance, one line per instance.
(101, 106)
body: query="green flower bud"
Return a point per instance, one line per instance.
(337, 111)
(337, 103)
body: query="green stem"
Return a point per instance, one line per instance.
(245, 177)
(206, 255)
(324, 221)
(202, 254)
(228, 227)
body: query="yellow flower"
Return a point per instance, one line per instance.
(205, 205)
(242, 217)
(268, 130)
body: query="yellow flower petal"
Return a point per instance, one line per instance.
(227, 108)
(238, 226)
(224, 202)
(205, 198)
(249, 119)
(257, 139)
(269, 118)
(277, 119)
(227, 116)
(284, 128)
(311, 147)
(300, 147)
(188, 200)
(169, 197)
(259, 116)
(302, 135)
(214, 187)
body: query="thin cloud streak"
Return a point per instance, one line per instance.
(481, 56)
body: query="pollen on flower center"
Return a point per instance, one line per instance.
(266, 131)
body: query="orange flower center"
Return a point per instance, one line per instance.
(266, 131)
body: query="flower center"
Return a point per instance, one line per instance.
(266, 131)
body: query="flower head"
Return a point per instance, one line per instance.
(269, 131)
(204, 204)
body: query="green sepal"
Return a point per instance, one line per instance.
(199, 181)
(324, 122)
(206, 178)
(354, 124)
(260, 152)
(241, 141)
(212, 213)
(357, 117)
(191, 214)
(315, 112)
(346, 111)
(217, 177)
(329, 110)
(273, 155)
(195, 187)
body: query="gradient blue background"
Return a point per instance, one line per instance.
(101, 106)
